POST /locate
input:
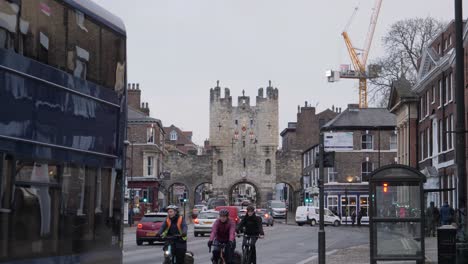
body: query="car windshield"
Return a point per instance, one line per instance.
(278, 205)
(208, 216)
(153, 218)
(262, 211)
(199, 206)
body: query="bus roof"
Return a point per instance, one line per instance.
(100, 14)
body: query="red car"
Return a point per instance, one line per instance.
(233, 212)
(148, 228)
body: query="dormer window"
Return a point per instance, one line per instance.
(173, 135)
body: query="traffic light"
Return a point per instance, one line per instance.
(385, 187)
(145, 197)
(185, 196)
(328, 159)
(307, 197)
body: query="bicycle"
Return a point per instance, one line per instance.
(169, 249)
(247, 248)
(222, 247)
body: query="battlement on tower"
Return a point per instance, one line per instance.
(215, 95)
(243, 100)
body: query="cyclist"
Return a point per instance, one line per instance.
(251, 225)
(175, 226)
(223, 232)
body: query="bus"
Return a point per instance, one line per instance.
(62, 130)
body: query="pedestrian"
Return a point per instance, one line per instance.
(446, 214)
(353, 217)
(359, 217)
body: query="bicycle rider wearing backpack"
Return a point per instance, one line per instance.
(223, 232)
(175, 226)
(252, 226)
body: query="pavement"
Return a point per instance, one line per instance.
(360, 254)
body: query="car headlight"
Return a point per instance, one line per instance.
(166, 253)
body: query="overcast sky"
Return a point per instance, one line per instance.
(178, 49)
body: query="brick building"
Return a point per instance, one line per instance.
(437, 116)
(296, 138)
(179, 140)
(145, 153)
(363, 140)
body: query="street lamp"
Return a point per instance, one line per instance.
(349, 179)
(126, 143)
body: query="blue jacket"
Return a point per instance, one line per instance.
(445, 213)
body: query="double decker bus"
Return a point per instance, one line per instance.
(62, 129)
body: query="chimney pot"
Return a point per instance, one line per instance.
(138, 86)
(133, 86)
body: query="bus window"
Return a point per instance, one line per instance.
(83, 47)
(43, 30)
(113, 58)
(8, 24)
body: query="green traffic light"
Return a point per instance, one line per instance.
(185, 200)
(145, 200)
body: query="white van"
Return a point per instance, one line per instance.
(302, 215)
(310, 215)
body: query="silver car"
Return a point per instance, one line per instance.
(203, 224)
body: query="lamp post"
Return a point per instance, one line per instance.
(126, 143)
(349, 179)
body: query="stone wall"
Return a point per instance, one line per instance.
(190, 170)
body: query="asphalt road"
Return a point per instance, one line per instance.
(282, 244)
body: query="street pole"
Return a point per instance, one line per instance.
(321, 233)
(347, 205)
(460, 114)
(132, 195)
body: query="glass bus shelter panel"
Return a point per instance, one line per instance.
(398, 239)
(397, 200)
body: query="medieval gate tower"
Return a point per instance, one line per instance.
(244, 140)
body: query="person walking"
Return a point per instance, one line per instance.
(359, 217)
(353, 217)
(446, 214)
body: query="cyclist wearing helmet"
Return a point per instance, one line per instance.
(223, 232)
(251, 225)
(175, 226)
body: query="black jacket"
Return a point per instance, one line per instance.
(252, 224)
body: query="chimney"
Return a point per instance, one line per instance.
(333, 108)
(134, 97)
(145, 109)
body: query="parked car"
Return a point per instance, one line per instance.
(148, 228)
(266, 217)
(204, 223)
(277, 209)
(214, 202)
(233, 212)
(329, 217)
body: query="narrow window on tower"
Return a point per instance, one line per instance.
(267, 167)
(243, 143)
(244, 163)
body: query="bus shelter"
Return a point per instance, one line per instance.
(396, 214)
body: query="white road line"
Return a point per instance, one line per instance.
(315, 257)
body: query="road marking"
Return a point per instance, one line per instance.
(305, 261)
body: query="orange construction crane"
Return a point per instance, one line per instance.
(359, 62)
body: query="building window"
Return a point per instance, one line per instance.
(449, 40)
(236, 122)
(366, 170)
(173, 135)
(268, 167)
(448, 89)
(245, 164)
(433, 94)
(421, 108)
(332, 203)
(452, 128)
(220, 168)
(367, 141)
(393, 142)
(150, 135)
(439, 48)
(348, 206)
(441, 136)
(449, 129)
(150, 165)
(364, 205)
(331, 174)
(441, 93)
(427, 103)
(451, 86)
(429, 142)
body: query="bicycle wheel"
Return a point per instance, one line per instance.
(246, 256)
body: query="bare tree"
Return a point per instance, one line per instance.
(404, 44)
